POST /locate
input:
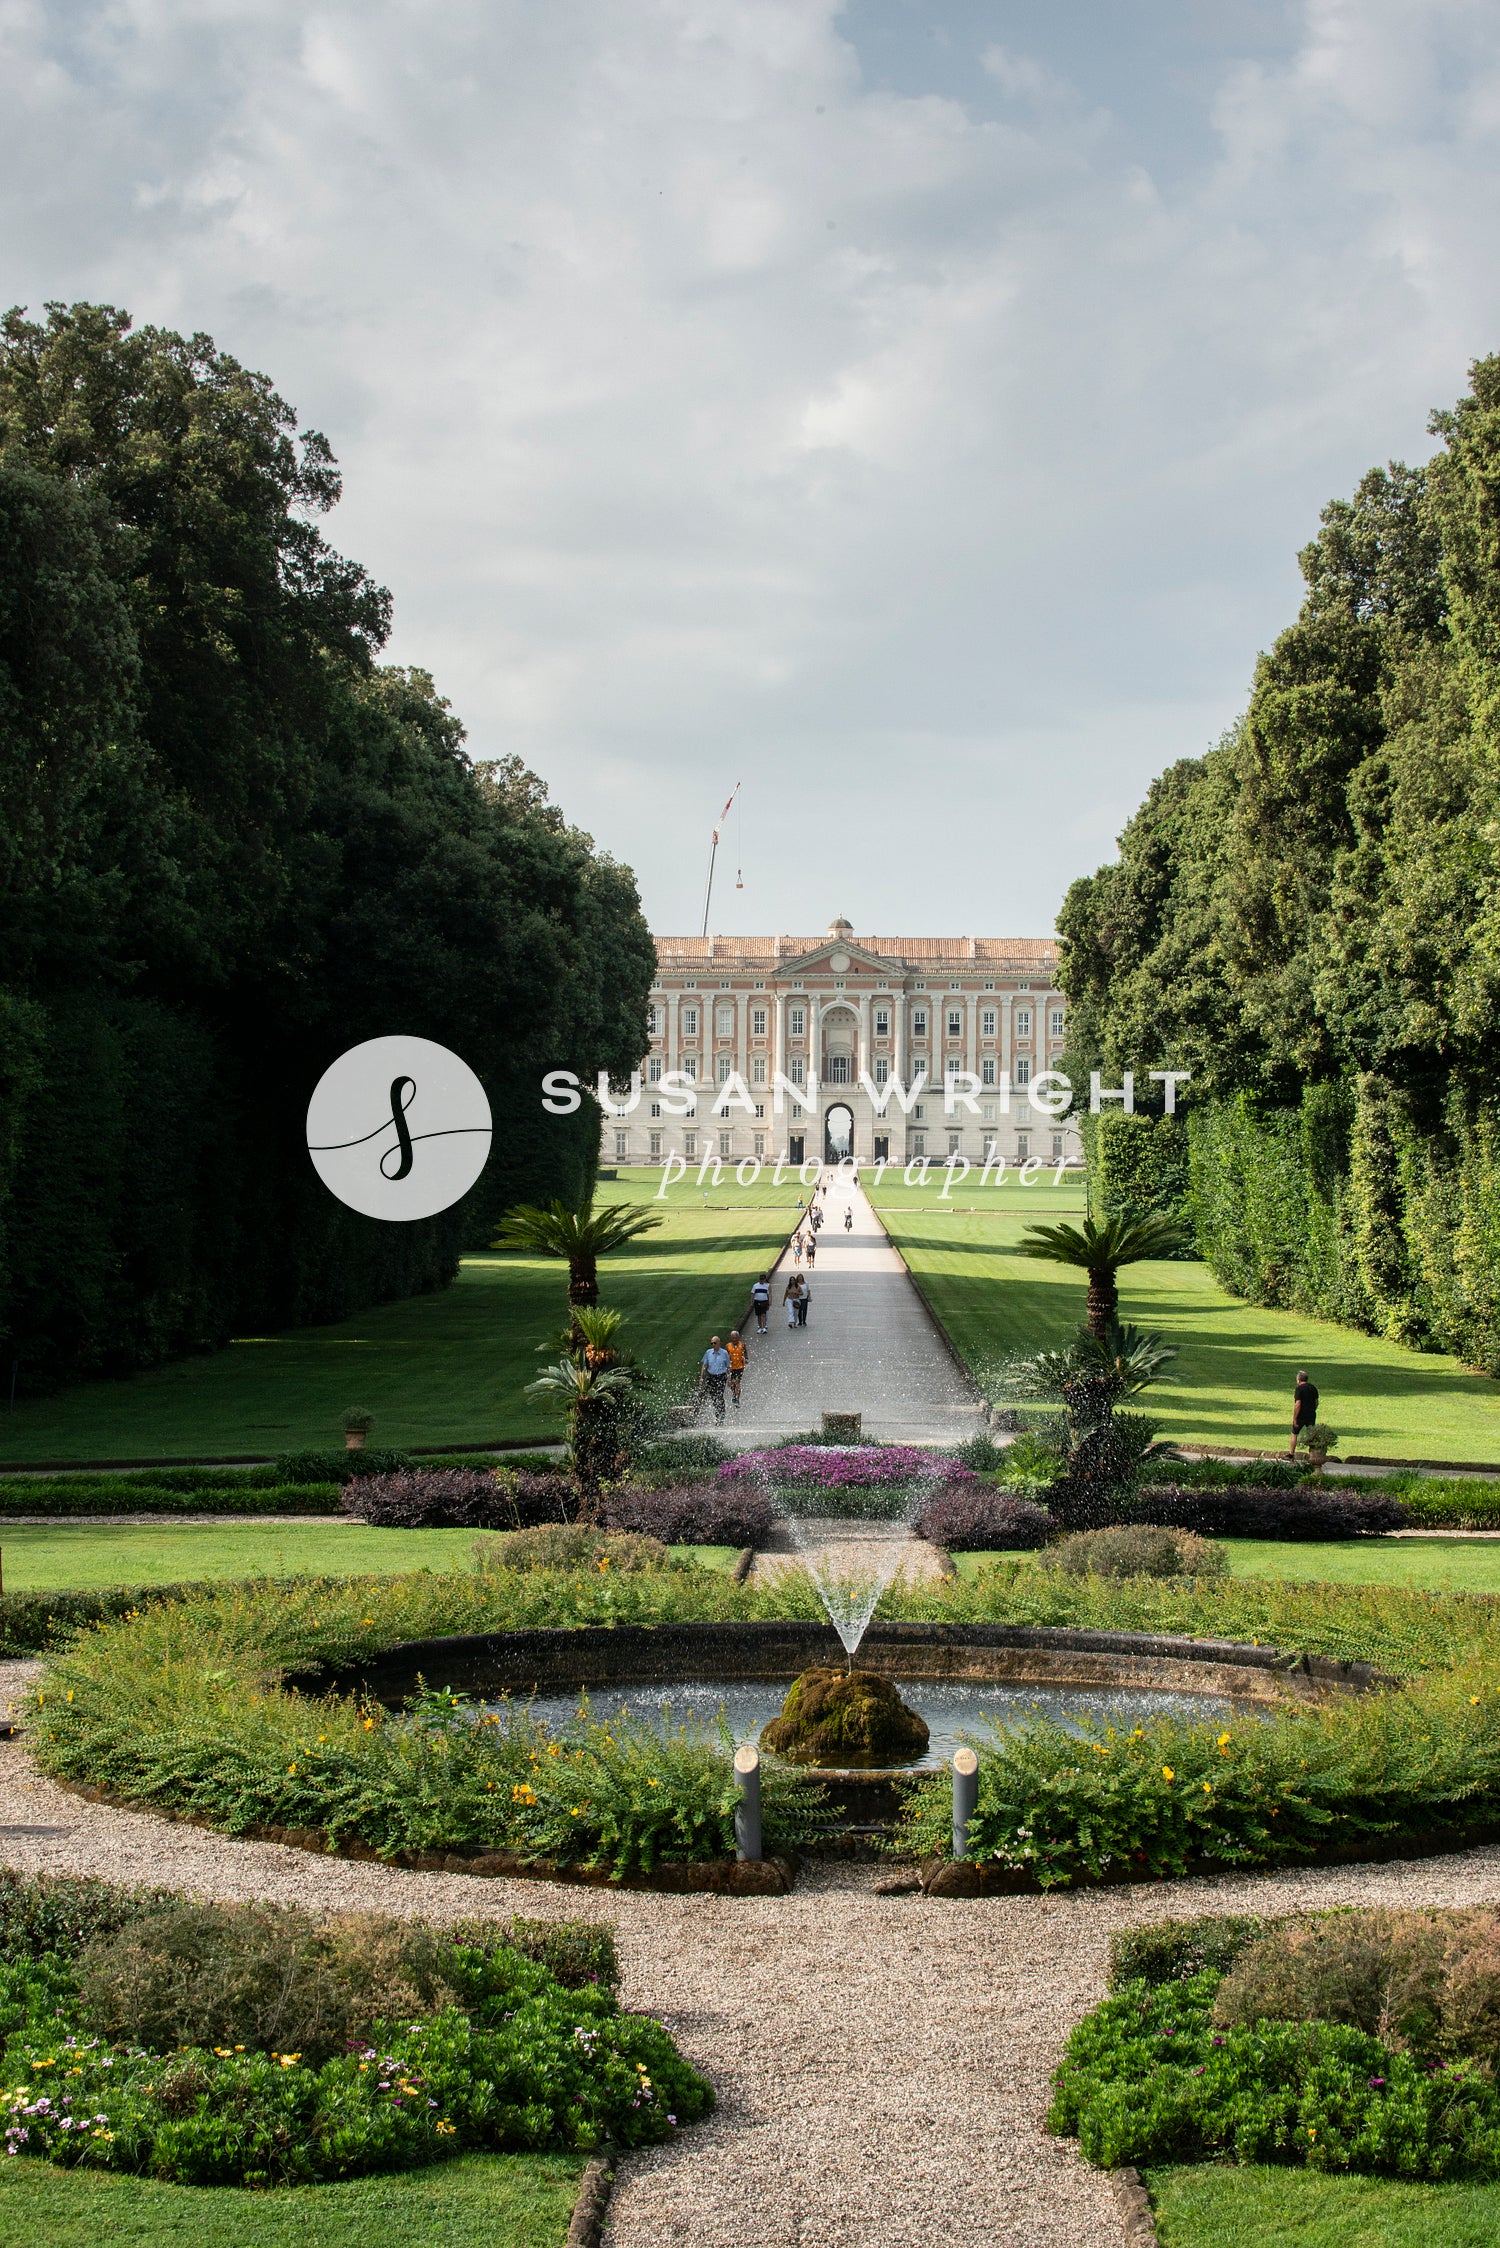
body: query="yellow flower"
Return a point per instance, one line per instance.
(291, 1768)
(446, 2127)
(1207, 1789)
(653, 1783)
(288, 2060)
(603, 1563)
(1223, 1740)
(1167, 1772)
(576, 1812)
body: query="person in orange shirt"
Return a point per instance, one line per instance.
(736, 1364)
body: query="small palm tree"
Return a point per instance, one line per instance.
(593, 1398)
(582, 1235)
(1129, 1237)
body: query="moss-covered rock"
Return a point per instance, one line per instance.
(832, 1713)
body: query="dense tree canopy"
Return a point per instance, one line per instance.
(231, 845)
(1309, 919)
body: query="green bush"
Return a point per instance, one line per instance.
(497, 2052)
(676, 1459)
(1173, 1951)
(1150, 2077)
(64, 1495)
(1135, 1549)
(342, 1465)
(1469, 1502)
(1423, 1982)
(33, 1621)
(573, 1545)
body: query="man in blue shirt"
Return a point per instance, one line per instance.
(716, 1374)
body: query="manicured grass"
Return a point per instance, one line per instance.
(88, 1555)
(1208, 2205)
(442, 1369)
(1232, 1383)
(1439, 1564)
(479, 2201)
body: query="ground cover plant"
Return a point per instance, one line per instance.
(475, 2201)
(213, 2044)
(1350, 2040)
(1256, 2205)
(442, 1369)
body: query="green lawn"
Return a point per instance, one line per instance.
(1440, 1564)
(434, 1370)
(480, 2201)
(85, 1555)
(1209, 2206)
(1232, 1384)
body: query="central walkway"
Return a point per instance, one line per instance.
(869, 1345)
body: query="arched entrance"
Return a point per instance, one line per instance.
(838, 1133)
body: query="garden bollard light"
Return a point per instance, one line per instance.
(747, 1810)
(965, 1796)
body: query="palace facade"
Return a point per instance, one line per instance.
(876, 1047)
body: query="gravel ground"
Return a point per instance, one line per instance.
(881, 2062)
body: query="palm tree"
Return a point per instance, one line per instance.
(1126, 1238)
(582, 1235)
(593, 1398)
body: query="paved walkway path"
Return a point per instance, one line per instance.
(882, 2063)
(869, 1346)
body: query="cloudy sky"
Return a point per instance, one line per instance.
(909, 408)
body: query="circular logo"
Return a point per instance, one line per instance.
(398, 1128)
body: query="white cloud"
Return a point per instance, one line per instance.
(938, 467)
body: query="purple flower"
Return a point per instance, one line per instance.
(1377, 2083)
(832, 1467)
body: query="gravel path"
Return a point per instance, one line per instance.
(882, 2062)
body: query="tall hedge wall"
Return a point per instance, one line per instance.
(1308, 919)
(233, 844)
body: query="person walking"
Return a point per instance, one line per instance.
(760, 1297)
(1304, 1409)
(797, 1248)
(716, 1370)
(791, 1295)
(736, 1364)
(812, 1252)
(849, 1221)
(802, 1303)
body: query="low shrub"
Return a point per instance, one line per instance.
(492, 2048)
(841, 1467)
(678, 1459)
(66, 1495)
(260, 1978)
(461, 1499)
(723, 1514)
(1349, 2040)
(982, 1454)
(1136, 1549)
(572, 1545)
(1032, 1464)
(975, 1518)
(340, 1466)
(1150, 2077)
(1267, 1475)
(1422, 1982)
(33, 1621)
(1305, 1511)
(1447, 1503)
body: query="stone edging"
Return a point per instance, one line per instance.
(592, 2206)
(1137, 2218)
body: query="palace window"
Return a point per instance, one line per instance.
(1023, 1069)
(919, 1022)
(724, 1143)
(796, 1021)
(953, 1143)
(920, 1111)
(1023, 1147)
(653, 1070)
(987, 1111)
(955, 1022)
(725, 1020)
(1023, 1022)
(689, 1143)
(798, 1070)
(1057, 1022)
(1057, 1147)
(882, 1022)
(988, 1022)
(656, 1108)
(760, 1108)
(689, 1022)
(758, 1069)
(987, 1070)
(757, 1022)
(656, 1143)
(622, 1143)
(882, 1069)
(919, 1143)
(658, 1021)
(760, 1143)
(726, 1064)
(838, 1069)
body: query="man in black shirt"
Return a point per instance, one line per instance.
(1304, 1409)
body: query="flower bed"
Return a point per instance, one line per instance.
(1258, 2041)
(121, 2052)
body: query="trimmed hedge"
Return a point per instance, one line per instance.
(1245, 1511)
(460, 1499)
(726, 1514)
(63, 1496)
(968, 1518)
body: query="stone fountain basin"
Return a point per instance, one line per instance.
(598, 1658)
